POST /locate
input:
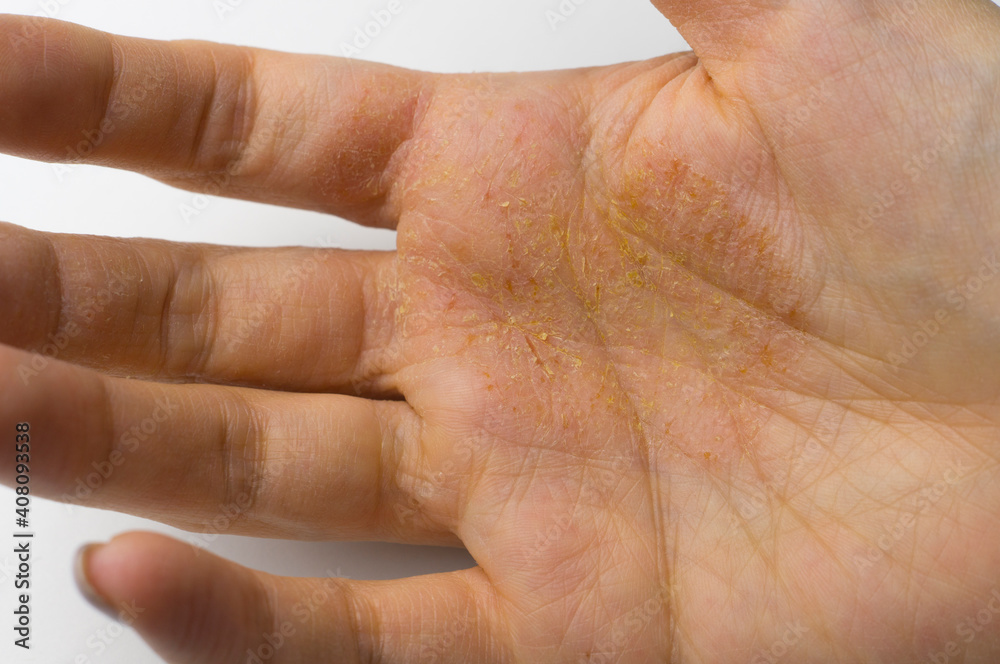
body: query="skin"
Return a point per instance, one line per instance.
(696, 356)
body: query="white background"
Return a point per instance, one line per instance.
(437, 35)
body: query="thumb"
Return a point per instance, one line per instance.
(802, 35)
(724, 30)
(185, 603)
(195, 608)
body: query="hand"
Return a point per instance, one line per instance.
(696, 356)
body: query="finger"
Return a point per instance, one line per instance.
(726, 30)
(324, 322)
(802, 35)
(205, 610)
(307, 131)
(222, 459)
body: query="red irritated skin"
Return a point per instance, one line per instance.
(696, 356)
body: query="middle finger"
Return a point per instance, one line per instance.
(295, 319)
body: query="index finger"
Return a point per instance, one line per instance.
(307, 131)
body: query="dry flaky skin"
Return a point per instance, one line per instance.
(672, 337)
(691, 356)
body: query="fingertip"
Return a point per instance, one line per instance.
(187, 606)
(54, 82)
(81, 575)
(125, 567)
(124, 572)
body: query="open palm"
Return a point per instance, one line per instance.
(696, 356)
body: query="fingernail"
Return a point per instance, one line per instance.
(83, 581)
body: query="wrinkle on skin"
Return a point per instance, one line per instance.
(685, 314)
(643, 337)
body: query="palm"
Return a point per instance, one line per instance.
(654, 358)
(651, 305)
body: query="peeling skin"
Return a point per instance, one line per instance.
(518, 284)
(634, 346)
(612, 295)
